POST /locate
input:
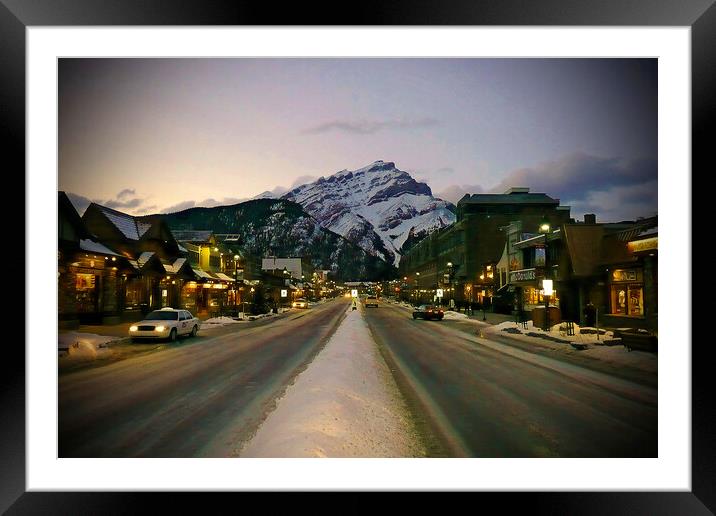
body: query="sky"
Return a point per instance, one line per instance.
(159, 135)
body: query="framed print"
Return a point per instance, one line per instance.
(212, 265)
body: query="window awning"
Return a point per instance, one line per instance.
(202, 273)
(223, 277)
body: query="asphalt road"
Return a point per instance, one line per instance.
(480, 398)
(203, 398)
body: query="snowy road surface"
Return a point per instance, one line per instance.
(484, 399)
(369, 383)
(345, 404)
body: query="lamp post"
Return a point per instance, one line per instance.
(417, 282)
(544, 229)
(449, 266)
(236, 281)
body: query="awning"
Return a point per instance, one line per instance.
(504, 289)
(223, 277)
(202, 274)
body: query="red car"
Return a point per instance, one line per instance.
(428, 312)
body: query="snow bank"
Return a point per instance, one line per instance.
(345, 404)
(218, 321)
(454, 315)
(604, 348)
(84, 345)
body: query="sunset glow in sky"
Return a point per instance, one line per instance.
(156, 135)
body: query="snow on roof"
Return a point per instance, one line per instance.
(127, 224)
(144, 258)
(202, 273)
(223, 277)
(174, 267)
(95, 247)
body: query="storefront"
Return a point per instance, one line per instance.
(87, 287)
(626, 292)
(632, 287)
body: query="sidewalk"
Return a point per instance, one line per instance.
(345, 404)
(605, 353)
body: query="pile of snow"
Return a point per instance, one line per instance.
(598, 348)
(345, 404)
(86, 346)
(219, 321)
(449, 314)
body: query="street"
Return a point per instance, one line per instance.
(484, 403)
(468, 396)
(201, 399)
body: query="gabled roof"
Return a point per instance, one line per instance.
(639, 229)
(131, 227)
(173, 268)
(67, 211)
(584, 243)
(144, 258)
(95, 247)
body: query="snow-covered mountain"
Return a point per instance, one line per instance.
(376, 207)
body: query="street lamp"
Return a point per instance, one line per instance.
(450, 283)
(544, 229)
(418, 297)
(236, 281)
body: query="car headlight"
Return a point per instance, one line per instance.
(133, 328)
(159, 328)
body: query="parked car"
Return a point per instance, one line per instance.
(300, 303)
(167, 323)
(428, 312)
(371, 301)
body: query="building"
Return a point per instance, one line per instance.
(298, 268)
(87, 272)
(461, 259)
(612, 266)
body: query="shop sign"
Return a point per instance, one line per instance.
(522, 275)
(284, 293)
(439, 293)
(648, 244)
(625, 275)
(354, 293)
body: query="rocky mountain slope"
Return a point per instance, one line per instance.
(376, 207)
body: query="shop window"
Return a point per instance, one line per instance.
(133, 293)
(533, 296)
(86, 292)
(627, 299)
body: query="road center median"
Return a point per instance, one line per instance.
(345, 404)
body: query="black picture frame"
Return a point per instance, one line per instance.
(16, 15)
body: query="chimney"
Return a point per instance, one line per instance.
(517, 190)
(590, 218)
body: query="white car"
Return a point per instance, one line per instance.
(300, 303)
(167, 323)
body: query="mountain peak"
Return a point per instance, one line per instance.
(376, 211)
